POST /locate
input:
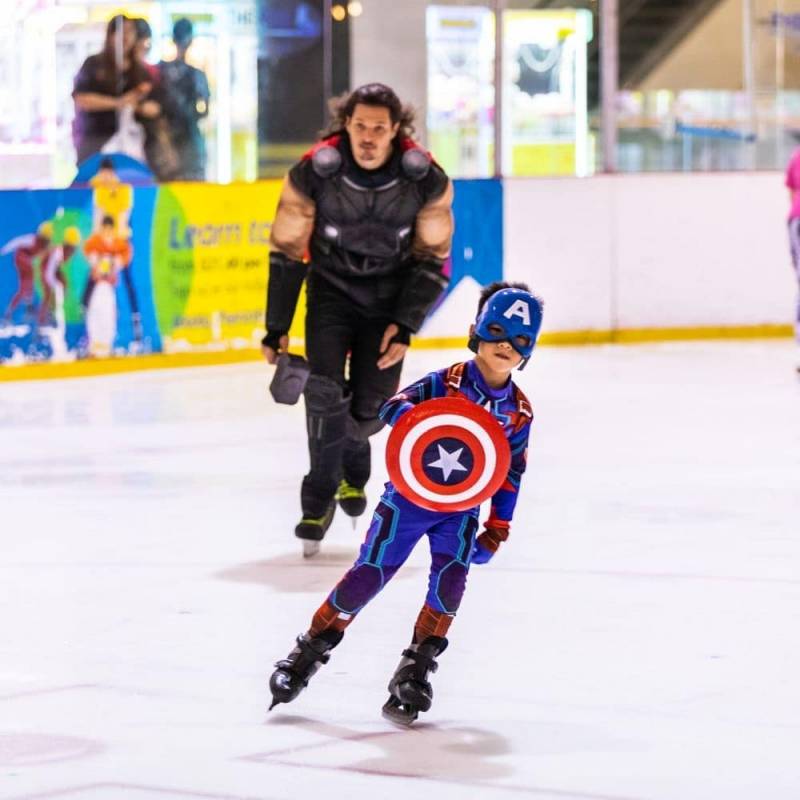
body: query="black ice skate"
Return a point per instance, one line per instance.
(296, 670)
(312, 530)
(351, 499)
(409, 689)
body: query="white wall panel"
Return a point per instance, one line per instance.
(558, 238)
(647, 251)
(698, 250)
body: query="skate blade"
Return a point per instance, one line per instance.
(393, 711)
(310, 548)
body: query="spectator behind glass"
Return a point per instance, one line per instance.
(106, 83)
(159, 152)
(141, 50)
(186, 102)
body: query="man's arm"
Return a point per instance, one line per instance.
(294, 222)
(426, 280)
(291, 232)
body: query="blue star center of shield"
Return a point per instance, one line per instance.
(447, 461)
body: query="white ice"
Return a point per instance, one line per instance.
(637, 637)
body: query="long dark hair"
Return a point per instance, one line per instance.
(371, 94)
(113, 73)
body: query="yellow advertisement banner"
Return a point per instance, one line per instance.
(210, 264)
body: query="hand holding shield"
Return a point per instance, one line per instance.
(447, 454)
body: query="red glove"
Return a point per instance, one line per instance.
(494, 534)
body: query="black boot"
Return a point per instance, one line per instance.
(327, 417)
(352, 499)
(314, 528)
(409, 689)
(296, 670)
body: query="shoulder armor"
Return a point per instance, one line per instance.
(416, 163)
(326, 161)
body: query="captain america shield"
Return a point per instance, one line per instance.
(447, 454)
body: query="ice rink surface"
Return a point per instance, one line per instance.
(637, 637)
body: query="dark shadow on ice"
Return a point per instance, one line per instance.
(291, 572)
(432, 751)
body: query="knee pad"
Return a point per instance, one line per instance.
(324, 396)
(327, 419)
(365, 420)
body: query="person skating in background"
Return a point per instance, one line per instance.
(374, 211)
(793, 185)
(187, 97)
(29, 251)
(502, 337)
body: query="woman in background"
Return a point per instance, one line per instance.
(106, 84)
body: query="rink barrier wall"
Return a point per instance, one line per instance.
(666, 252)
(618, 259)
(161, 361)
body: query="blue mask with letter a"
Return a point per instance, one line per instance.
(510, 315)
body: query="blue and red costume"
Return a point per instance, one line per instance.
(398, 524)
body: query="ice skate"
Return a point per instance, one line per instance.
(351, 499)
(294, 672)
(409, 689)
(312, 530)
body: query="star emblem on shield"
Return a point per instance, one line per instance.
(447, 454)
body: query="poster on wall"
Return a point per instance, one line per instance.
(116, 270)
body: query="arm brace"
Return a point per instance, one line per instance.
(285, 279)
(422, 289)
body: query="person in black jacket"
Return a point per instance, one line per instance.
(187, 103)
(106, 83)
(366, 216)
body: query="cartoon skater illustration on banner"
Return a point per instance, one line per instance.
(109, 254)
(29, 252)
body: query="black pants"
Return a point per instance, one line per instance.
(344, 393)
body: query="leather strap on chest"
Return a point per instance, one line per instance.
(453, 378)
(524, 412)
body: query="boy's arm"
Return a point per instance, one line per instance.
(498, 525)
(426, 388)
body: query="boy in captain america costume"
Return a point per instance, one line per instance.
(503, 337)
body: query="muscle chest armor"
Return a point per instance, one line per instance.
(365, 231)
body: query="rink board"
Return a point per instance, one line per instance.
(616, 259)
